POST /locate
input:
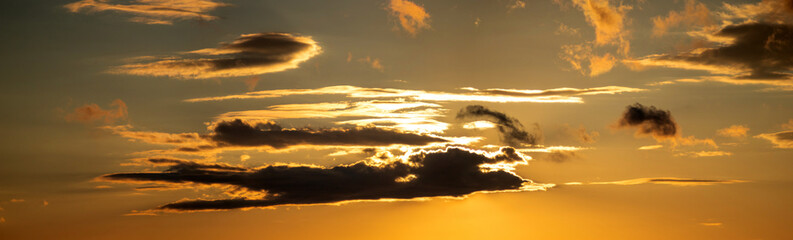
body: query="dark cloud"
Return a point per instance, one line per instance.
(512, 131)
(250, 54)
(761, 50)
(239, 133)
(450, 172)
(649, 120)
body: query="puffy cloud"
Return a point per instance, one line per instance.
(782, 139)
(452, 172)
(412, 17)
(609, 21)
(668, 181)
(735, 131)
(152, 11)
(559, 95)
(512, 131)
(649, 121)
(696, 14)
(90, 113)
(239, 133)
(250, 54)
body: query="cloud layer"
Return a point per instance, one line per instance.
(250, 54)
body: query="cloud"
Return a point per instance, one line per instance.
(512, 132)
(609, 22)
(555, 95)
(515, 4)
(651, 147)
(782, 139)
(758, 51)
(482, 124)
(452, 172)
(239, 133)
(412, 17)
(649, 121)
(90, 113)
(250, 54)
(773, 11)
(734, 131)
(696, 14)
(152, 11)
(567, 30)
(668, 181)
(705, 154)
(577, 55)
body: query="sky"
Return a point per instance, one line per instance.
(396, 119)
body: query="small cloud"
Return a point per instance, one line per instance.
(711, 224)
(90, 113)
(515, 4)
(563, 29)
(45, 203)
(734, 131)
(782, 139)
(649, 121)
(512, 131)
(696, 14)
(670, 181)
(17, 200)
(244, 157)
(483, 124)
(412, 17)
(705, 154)
(650, 147)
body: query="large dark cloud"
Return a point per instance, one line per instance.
(512, 131)
(250, 54)
(649, 120)
(239, 133)
(764, 50)
(451, 172)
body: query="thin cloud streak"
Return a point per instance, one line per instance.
(557, 95)
(163, 12)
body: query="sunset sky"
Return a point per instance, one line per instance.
(396, 119)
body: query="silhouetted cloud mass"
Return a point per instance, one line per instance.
(239, 133)
(511, 129)
(248, 55)
(452, 172)
(649, 120)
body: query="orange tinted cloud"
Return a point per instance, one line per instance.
(90, 113)
(152, 11)
(668, 181)
(736, 131)
(609, 21)
(250, 54)
(695, 14)
(782, 139)
(412, 17)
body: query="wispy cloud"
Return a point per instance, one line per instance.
(512, 131)
(248, 55)
(152, 11)
(90, 113)
(734, 131)
(696, 14)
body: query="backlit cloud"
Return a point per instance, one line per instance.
(512, 131)
(782, 139)
(151, 11)
(412, 17)
(452, 172)
(696, 14)
(248, 55)
(559, 95)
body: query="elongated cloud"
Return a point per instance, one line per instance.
(250, 54)
(782, 139)
(412, 17)
(558, 95)
(668, 181)
(239, 133)
(92, 113)
(452, 172)
(757, 51)
(511, 129)
(649, 121)
(152, 11)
